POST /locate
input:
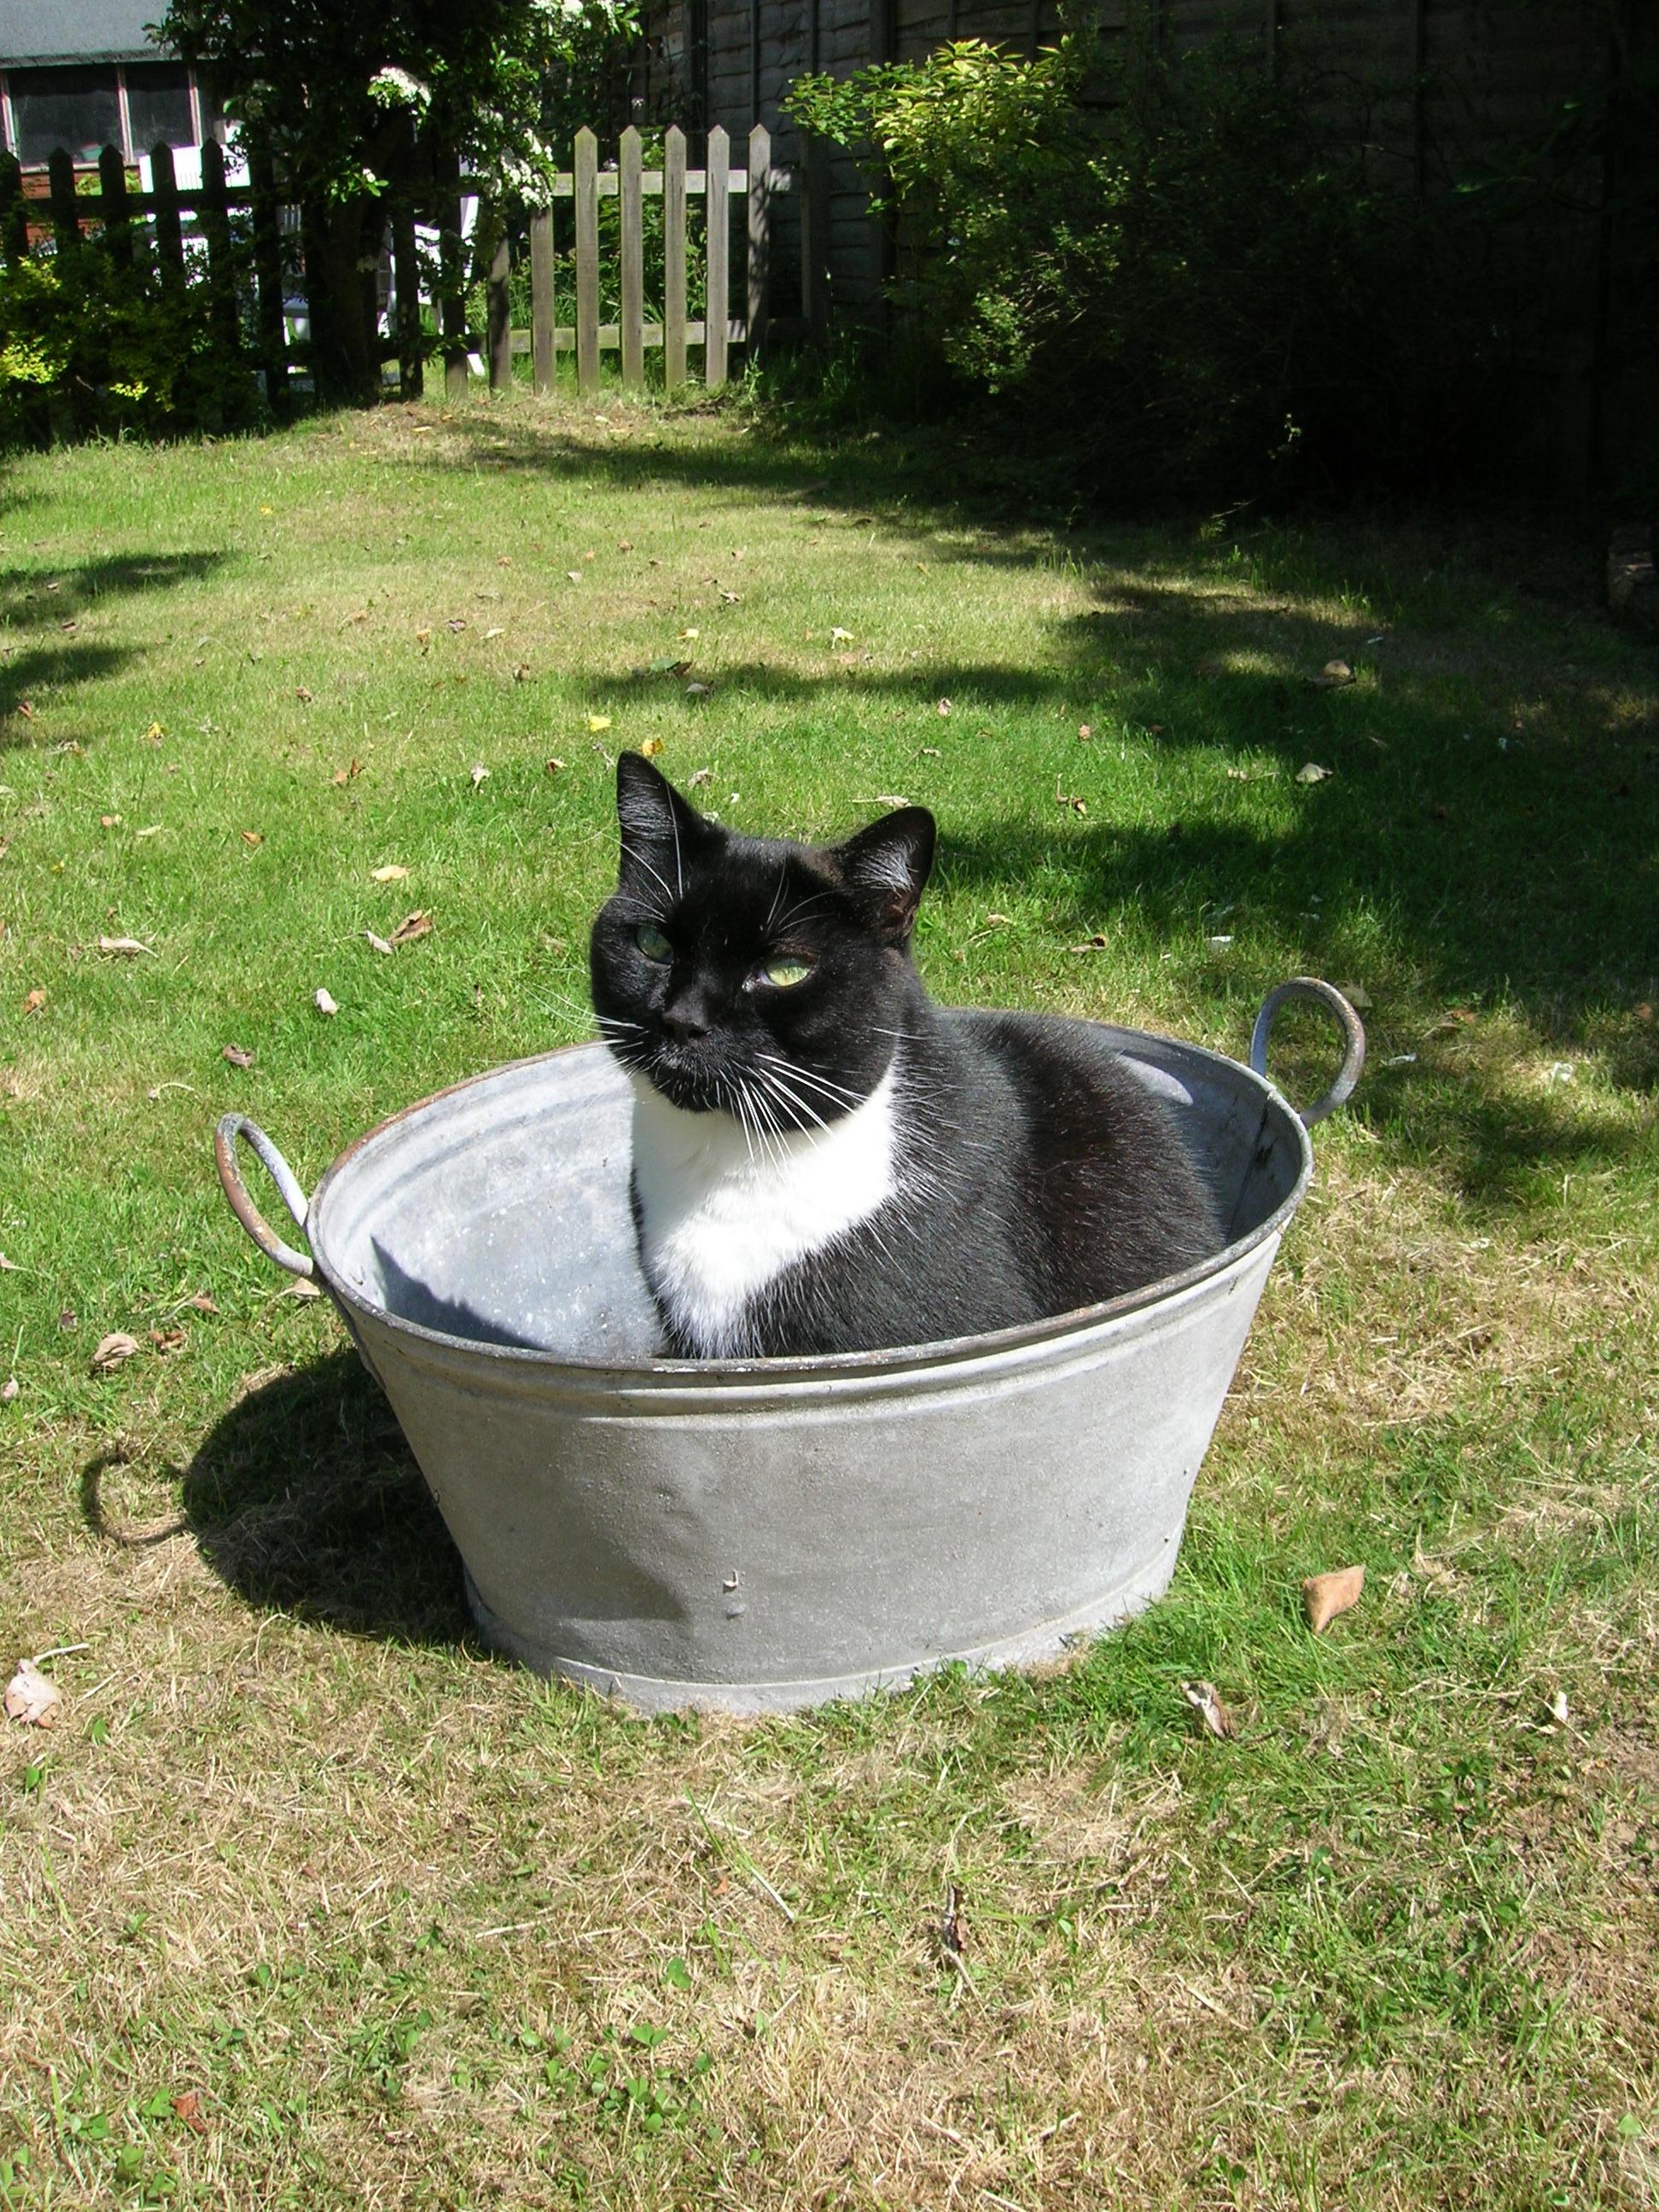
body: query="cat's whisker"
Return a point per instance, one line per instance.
(633, 852)
(787, 1098)
(810, 1075)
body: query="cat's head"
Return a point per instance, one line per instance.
(750, 976)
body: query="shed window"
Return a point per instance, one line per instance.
(78, 109)
(158, 102)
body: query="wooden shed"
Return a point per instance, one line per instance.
(1446, 83)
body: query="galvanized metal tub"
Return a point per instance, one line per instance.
(757, 1534)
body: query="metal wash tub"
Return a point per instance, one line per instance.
(767, 1533)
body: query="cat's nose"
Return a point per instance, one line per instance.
(685, 1023)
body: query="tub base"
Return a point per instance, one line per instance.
(648, 1694)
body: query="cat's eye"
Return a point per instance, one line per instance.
(651, 942)
(783, 975)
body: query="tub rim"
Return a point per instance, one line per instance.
(890, 1361)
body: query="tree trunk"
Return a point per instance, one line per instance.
(341, 242)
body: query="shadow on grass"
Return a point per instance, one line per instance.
(305, 1499)
(53, 599)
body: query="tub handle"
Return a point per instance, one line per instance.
(231, 1126)
(1328, 995)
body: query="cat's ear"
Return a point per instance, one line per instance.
(657, 824)
(886, 867)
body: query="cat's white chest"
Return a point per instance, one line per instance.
(721, 1215)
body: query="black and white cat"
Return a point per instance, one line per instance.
(825, 1160)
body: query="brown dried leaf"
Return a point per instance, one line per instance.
(703, 775)
(323, 998)
(945, 707)
(112, 1350)
(391, 873)
(237, 1056)
(1323, 1596)
(1205, 1699)
(346, 774)
(31, 1697)
(303, 1289)
(1084, 732)
(1069, 798)
(203, 1302)
(167, 1339)
(253, 839)
(303, 695)
(651, 748)
(554, 764)
(953, 1925)
(418, 924)
(35, 1000)
(1332, 675)
(380, 944)
(188, 2106)
(124, 948)
(9, 1390)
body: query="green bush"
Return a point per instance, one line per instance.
(1175, 268)
(88, 344)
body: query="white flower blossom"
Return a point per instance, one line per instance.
(395, 87)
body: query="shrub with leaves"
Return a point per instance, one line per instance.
(1175, 264)
(112, 346)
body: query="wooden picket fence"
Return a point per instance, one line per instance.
(717, 184)
(237, 280)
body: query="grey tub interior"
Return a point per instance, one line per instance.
(498, 1214)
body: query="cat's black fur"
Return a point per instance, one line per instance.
(1036, 1173)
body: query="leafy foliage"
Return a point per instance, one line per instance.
(123, 351)
(325, 87)
(1178, 261)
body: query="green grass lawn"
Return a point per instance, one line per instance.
(309, 1901)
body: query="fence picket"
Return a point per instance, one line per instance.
(587, 262)
(717, 295)
(113, 206)
(673, 248)
(169, 238)
(65, 216)
(541, 299)
(633, 260)
(452, 307)
(222, 272)
(760, 238)
(270, 319)
(499, 299)
(14, 216)
(406, 278)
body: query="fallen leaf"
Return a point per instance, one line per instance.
(346, 774)
(31, 1697)
(1084, 732)
(840, 636)
(112, 1350)
(1068, 799)
(154, 830)
(69, 1318)
(423, 639)
(154, 735)
(999, 921)
(574, 575)
(303, 1289)
(8, 1266)
(953, 1926)
(480, 774)
(699, 690)
(124, 948)
(303, 695)
(1357, 996)
(188, 2106)
(498, 631)
(1333, 673)
(35, 1000)
(689, 633)
(237, 1057)
(521, 672)
(1311, 772)
(391, 873)
(703, 775)
(554, 765)
(884, 799)
(167, 1339)
(456, 623)
(1206, 1701)
(418, 924)
(1097, 943)
(624, 545)
(1323, 1596)
(109, 821)
(651, 748)
(8, 1391)
(598, 722)
(324, 1001)
(732, 599)
(380, 944)
(251, 838)
(203, 1302)
(1218, 944)
(944, 707)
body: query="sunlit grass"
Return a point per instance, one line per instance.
(409, 1922)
